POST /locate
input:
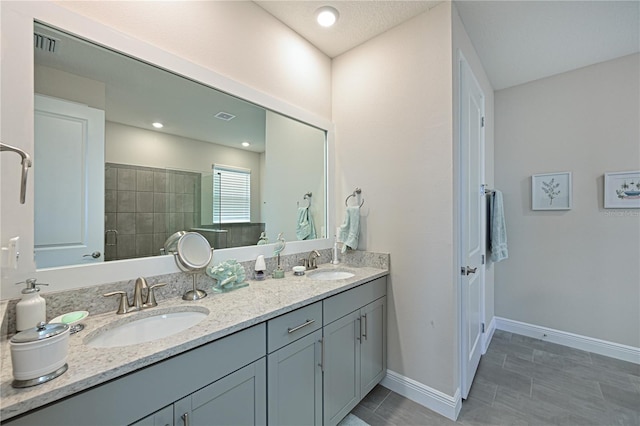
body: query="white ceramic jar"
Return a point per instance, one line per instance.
(39, 354)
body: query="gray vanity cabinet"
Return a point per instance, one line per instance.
(373, 354)
(237, 399)
(354, 347)
(229, 366)
(294, 367)
(295, 383)
(342, 364)
(318, 363)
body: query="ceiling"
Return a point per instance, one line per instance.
(517, 41)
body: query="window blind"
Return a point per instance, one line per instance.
(231, 194)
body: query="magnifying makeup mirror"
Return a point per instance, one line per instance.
(193, 254)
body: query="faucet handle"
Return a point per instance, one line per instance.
(123, 307)
(151, 296)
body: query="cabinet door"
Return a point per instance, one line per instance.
(373, 354)
(162, 417)
(341, 367)
(295, 383)
(237, 399)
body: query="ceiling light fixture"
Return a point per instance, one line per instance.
(327, 16)
(246, 144)
(157, 125)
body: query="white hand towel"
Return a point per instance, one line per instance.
(498, 238)
(350, 229)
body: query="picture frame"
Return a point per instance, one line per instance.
(622, 190)
(551, 191)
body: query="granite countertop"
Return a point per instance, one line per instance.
(228, 313)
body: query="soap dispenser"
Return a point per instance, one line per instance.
(32, 309)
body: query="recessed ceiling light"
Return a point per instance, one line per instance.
(157, 125)
(327, 16)
(246, 144)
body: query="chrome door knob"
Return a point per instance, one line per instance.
(467, 270)
(95, 255)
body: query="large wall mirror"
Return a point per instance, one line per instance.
(111, 186)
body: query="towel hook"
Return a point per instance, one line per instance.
(358, 191)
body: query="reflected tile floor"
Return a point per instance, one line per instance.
(525, 381)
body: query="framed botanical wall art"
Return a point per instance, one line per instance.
(551, 191)
(622, 190)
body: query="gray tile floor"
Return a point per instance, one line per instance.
(524, 381)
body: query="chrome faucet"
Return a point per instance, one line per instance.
(310, 262)
(140, 287)
(140, 299)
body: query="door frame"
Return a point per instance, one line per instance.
(460, 261)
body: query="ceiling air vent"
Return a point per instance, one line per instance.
(225, 116)
(45, 43)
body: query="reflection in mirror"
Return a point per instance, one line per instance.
(108, 181)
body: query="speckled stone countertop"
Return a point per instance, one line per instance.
(228, 313)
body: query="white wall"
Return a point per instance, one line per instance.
(294, 165)
(392, 107)
(575, 271)
(59, 84)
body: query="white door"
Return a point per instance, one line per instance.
(472, 231)
(68, 170)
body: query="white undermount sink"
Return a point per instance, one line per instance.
(329, 275)
(146, 329)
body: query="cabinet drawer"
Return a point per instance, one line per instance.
(337, 306)
(290, 327)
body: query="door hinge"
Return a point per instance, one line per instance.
(483, 260)
(482, 327)
(482, 122)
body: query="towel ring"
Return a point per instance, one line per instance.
(307, 197)
(357, 191)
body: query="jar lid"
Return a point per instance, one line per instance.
(41, 332)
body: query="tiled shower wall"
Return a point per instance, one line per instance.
(145, 206)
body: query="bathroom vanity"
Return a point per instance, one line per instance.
(289, 351)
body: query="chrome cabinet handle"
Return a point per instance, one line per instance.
(294, 329)
(466, 270)
(359, 336)
(321, 365)
(95, 255)
(365, 326)
(185, 419)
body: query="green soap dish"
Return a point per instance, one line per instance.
(70, 318)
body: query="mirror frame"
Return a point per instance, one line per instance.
(17, 123)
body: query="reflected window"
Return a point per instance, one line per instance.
(231, 194)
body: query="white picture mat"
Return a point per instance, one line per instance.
(558, 195)
(622, 190)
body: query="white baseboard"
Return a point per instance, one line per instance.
(585, 343)
(488, 335)
(443, 404)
